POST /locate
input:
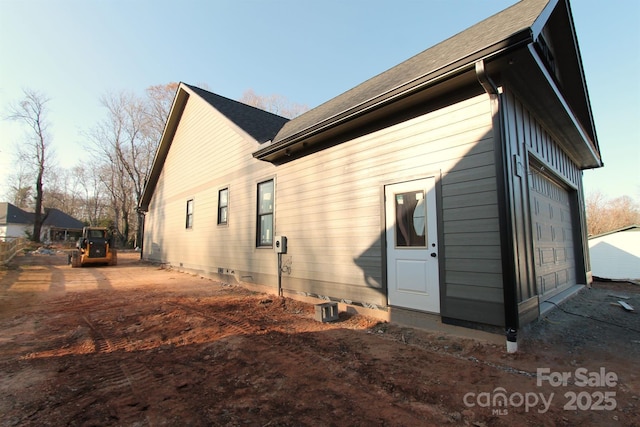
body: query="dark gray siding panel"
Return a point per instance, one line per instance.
(471, 233)
(490, 313)
(518, 128)
(471, 226)
(532, 148)
(330, 204)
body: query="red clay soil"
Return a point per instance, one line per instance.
(138, 345)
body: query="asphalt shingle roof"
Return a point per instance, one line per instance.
(260, 124)
(497, 28)
(10, 214)
(59, 219)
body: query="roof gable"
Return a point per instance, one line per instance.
(559, 30)
(10, 214)
(548, 76)
(258, 124)
(57, 218)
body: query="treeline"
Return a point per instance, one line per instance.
(105, 186)
(605, 214)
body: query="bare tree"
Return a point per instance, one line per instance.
(160, 99)
(604, 214)
(93, 205)
(111, 138)
(32, 111)
(125, 143)
(21, 186)
(127, 140)
(276, 104)
(118, 185)
(63, 191)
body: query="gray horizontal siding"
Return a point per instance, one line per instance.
(208, 153)
(465, 226)
(477, 282)
(473, 264)
(476, 239)
(330, 204)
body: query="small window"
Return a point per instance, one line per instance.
(223, 206)
(411, 218)
(547, 55)
(265, 214)
(97, 234)
(189, 223)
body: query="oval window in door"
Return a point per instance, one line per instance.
(410, 219)
(419, 215)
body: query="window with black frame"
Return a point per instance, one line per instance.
(223, 206)
(264, 230)
(189, 220)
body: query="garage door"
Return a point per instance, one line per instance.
(552, 235)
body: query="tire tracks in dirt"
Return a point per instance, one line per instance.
(132, 381)
(235, 325)
(326, 360)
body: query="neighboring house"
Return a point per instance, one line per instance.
(450, 184)
(616, 254)
(57, 225)
(14, 222)
(60, 227)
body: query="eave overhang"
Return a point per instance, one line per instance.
(513, 62)
(527, 76)
(170, 128)
(427, 86)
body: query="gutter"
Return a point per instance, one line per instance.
(459, 66)
(510, 295)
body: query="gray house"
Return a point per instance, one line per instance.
(14, 222)
(57, 226)
(449, 186)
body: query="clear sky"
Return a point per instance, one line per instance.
(75, 51)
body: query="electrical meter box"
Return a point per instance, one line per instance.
(280, 244)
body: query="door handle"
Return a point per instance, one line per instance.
(433, 254)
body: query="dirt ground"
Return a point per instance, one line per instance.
(138, 345)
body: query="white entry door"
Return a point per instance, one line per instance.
(412, 245)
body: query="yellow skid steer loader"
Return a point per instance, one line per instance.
(94, 247)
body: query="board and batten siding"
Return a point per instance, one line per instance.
(209, 153)
(330, 206)
(533, 150)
